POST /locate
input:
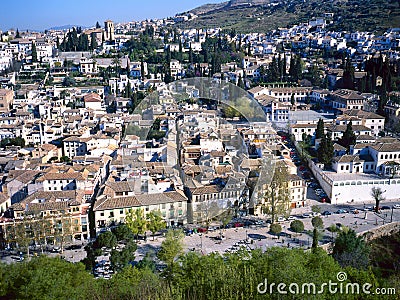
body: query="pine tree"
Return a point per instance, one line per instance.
(17, 36)
(98, 25)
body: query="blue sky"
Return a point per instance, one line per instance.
(42, 14)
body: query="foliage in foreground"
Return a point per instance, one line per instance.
(234, 276)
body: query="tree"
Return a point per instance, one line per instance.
(121, 259)
(377, 194)
(34, 53)
(68, 81)
(147, 262)
(315, 239)
(275, 228)
(317, 222)
(23, 234)
(297, 226)
(319, 132)
(117, 64)
(277, 200)
(240, 82)
(98, 26)
(292, 100)
(348, 138)
(348, 75)
(93, 41)
(155, 222)
(136, 221)
(316, 209)
(171, 248)
(17, 36)
(128, 90)
(325, 151)
(122, 233)
(351, 250)
(142, 69)
(63, 229)
(106, 239)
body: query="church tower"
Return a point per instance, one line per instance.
(109, 27)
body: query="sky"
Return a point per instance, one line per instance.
(44, 14)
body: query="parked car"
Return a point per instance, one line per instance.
(397, 206)
(281, 219)
(302, 168)
(326, 213)
(341, 211)
(355, 211)
(238, 224)
(291, 218)
(306, 215)
(385, 207)
(324, 199)
(202, 229)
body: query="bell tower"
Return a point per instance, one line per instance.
(109, 28)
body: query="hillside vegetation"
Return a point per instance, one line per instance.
(350, 15)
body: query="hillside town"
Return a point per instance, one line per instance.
(99, 122)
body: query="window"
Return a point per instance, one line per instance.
(121, 212)
(102, 214)
(111, 214)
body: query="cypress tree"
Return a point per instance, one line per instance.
(34, 53)
(325, 151)
(315, 239)
(320, 129)
(348, 138)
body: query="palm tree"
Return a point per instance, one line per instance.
(377, 194)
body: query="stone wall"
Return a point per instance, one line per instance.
(384, 230)
(372, 234)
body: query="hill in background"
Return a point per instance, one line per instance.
(266, 15)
